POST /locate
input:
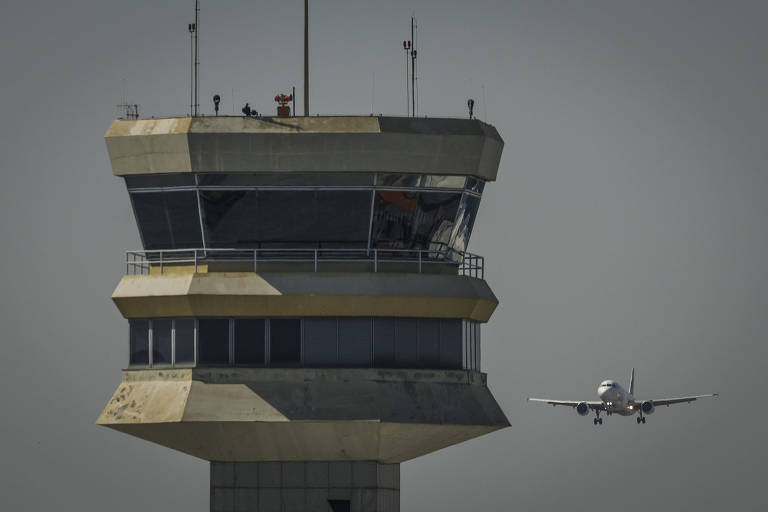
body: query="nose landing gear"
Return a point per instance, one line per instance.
(640, 419)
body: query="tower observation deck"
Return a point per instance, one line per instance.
(304, 312)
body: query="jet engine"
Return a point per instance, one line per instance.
(582, 408)
(647, 407)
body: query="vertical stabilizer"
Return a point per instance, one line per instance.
(632, 383)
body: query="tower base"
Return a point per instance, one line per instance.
(360, 486)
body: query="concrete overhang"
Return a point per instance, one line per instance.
(304, 414)
(304, 144)
(243, 294)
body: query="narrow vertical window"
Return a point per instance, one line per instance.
(249, 340)
(355, 342)
(213, 341)
(450, 343)
(384, 342)
(161, 341)
(406, 341)
(184, 341)
(429, 343)
(285, 342)
(320, 342)
(139, 342)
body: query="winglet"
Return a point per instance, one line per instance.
(632, 383)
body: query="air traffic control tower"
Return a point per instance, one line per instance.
(304, 313)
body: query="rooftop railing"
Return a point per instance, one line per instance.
(466, 264)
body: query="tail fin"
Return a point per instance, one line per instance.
(632, 383)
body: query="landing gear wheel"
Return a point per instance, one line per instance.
(638, 420)
(643, 421)
(600, 421)
(594, 421)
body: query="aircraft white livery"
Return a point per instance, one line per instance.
(614, 399)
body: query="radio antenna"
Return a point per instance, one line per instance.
(194, 47)
(306, 57)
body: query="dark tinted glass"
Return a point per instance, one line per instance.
(429, 343)
(286, 218)
(320, 342)
(285, 341)
(450, 343)
(139, 342)
(464, 222)
(160, 180)
(285, 179)
(355, 342)
(249, 342)
(420, 180)
(413, 220)
(161, 341)
(168, 220)
(185, 340)
(384, 342)
(406, 333)
(213, 341)
(475, 185)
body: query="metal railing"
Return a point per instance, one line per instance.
(467, 264)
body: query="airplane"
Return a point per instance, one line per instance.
(614, 399)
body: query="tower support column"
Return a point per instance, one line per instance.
(358, 486)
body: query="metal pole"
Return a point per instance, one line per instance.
(375, 260)
(315, 260)
(306, 57)
(197, 56)
(419, 262)
(195, 261)
(255, 260)
(161, 262)
(413, 71)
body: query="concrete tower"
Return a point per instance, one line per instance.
(304, 314)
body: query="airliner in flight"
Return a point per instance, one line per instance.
(614, 399)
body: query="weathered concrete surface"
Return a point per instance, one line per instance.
(303, 414)
(305, 144)
(304, 294)
(304, 486)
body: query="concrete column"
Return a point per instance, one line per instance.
(366, 486)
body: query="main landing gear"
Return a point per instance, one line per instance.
(640, 419)
(597, 420)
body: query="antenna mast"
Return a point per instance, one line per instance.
(413, 66)
(306, 57)
(197, 57)
(194, 98)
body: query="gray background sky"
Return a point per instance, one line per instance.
(627, 228)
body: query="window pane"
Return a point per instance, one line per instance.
(429, 343)
(286, 218)
(414, 220)
(384, 342)
(355, 342)
(139, 342)
(161, 341)
(249, 342)
(320, 342)
(405, 343)
(185, 340)
(285, 341)
(465, 220)
(213, 340)
(475, 185)
(420, 180)
(168, 220)
(285, 179)
(160, 180)
(450, 343)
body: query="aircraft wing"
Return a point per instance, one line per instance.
(594, 405)
(681, 399)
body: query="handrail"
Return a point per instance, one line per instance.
(468, 264)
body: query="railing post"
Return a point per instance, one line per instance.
(161, 262)
(195, 261)
(255, 260)
(420, 262)
(375, 260)
(315, 260)
(127, 264)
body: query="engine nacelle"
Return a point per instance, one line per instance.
(582, 408)
(647, 407)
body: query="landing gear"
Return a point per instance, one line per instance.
(640, 419)
(597, 420)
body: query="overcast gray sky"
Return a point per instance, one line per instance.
(627, 228)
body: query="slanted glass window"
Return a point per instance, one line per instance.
(139, 342)
(283, 179)
(320, 342)
(285, 341)
(406, 343)
(475, 185)
(249, 342)
(276, 218)
(168, 220)
(160, 180)
(384, 342)
(184, 340)
(213, 341)
(419, 180)
(355, 342)
(429, 343)
(465, 220)
(450, 343)
(161, 341)
(413, 220)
